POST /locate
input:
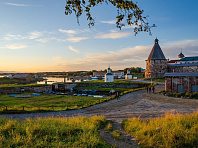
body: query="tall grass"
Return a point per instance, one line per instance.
(174, 130)
(52, 132)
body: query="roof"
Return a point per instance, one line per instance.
(172, 61)
(181, 55)
(183, 65)
(156, 52)
(108, 74)
(183, 74)
(189, 59)
(21, 75)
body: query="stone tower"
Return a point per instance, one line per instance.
(156, 64)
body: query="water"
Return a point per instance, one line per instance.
(51, 80)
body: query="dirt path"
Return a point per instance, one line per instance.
(136, 104)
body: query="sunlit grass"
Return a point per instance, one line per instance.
(45, 102)
(20, 85)
(52, 132)
(174, 130)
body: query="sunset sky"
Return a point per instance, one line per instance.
(36, 36)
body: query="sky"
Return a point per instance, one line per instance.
(37, 36)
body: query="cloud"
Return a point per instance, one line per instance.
(68, 31)
(14, 4)
(9, 37)
(129, 57)
(31, 35)
(76, 39)
(188, 47)
(109, 22)
(73, 32)
(35, 34)
(112, 35)
(71, 48)
(16, 46)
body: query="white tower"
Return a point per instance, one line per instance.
(109, 76)
(128, 75)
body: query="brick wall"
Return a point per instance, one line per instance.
(155, 68)
(187, 82)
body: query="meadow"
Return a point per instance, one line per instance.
(53, 132)
(46, 102)
(174, 130)
(156, 80)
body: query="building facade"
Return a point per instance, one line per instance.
(128, 75)
(156, 64)
(182, 75)
(109, 76)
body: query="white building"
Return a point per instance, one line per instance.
(128, 75)
(109, 76)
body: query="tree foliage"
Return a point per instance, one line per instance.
(128, 13)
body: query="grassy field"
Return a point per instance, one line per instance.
(156, 80)
(102, 89)
(53, 132)
(47, 103)
(21, 85)
(174, 130)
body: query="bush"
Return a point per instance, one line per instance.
(188, 95)
(195, 95)
(174, 94)
(168, 94)
(178, 95)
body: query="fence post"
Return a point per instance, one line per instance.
(53, 107)
(6, 108)
(23, 108)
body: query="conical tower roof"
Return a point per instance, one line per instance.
(156, 52)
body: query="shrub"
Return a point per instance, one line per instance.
(168, 94)
(195, 95)
(188, 95)
(178, 95)
(174, 94)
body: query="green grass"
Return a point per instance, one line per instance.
(53, 132)
(9, 81)
(21, 85)
(156, 80)
(139, 75)
(102, 89)
(116, 81)
(117, 135)
(109, 126)
(174, 130)
(48, 103)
